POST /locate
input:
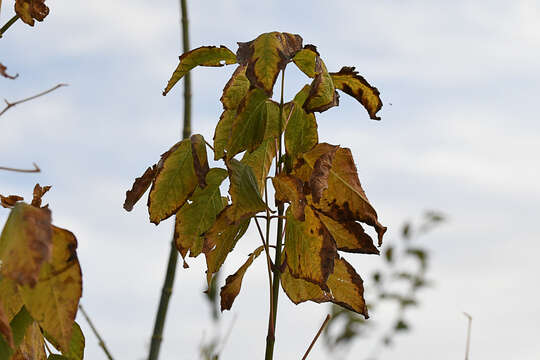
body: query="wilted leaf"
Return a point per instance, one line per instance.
(349, 236)
(195, 218)
(322, 95)
(260, 161)
(38, 194)
(301, 131)
(220, 241)
(3, 68)
(348, 81)
(306, 60)
(139, 187)
(290, 189)
(344, 200)
(244, 191)
(53, 301)
(28, 10)
(175, 180)
(233, 283)
(202, 56)
(318, 181)
(200, 160)
(249, 125)
(9, 201)
(25, 243)
(32, 346)
(310, 248)
(345, 288)
(266, 56)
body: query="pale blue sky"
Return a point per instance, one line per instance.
(461, 136)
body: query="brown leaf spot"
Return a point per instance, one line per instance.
(318, 180)
(139, 187)
(200, 165)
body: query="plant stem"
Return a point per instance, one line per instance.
(317, 336)
(8, 24)
(157, 335)
(94, 330)
(270, 338)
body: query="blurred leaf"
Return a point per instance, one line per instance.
(76, 343)
(233, 283)
(54, 299)
(9, 201)
(30, 10)
(401, 325)
(406, 231)
(389, 254)
(25, 243)
(32, 346)
(202, 56)
(420, 254)
(266, 56)
(348, 81)
(5, 329)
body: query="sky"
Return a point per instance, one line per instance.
(460, 137)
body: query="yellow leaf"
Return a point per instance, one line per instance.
(266, 56)
(33, 346)
(25, 243)
(349, 236)
(53, 301)
(260, 161)
(10, 297)
(233, 283)
(301, 131)
(5, 329)
(290, 189)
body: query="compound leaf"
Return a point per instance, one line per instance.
(25, 243)
(233, 283)
(202, 56)
(54, 299)
(266, 56)
(348, 81)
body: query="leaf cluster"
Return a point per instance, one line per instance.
(40, 283)
(326, 203)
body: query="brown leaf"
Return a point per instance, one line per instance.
(318, 181)
(32, 347)
(3, 69)
(348, 81)
(28, 10)
(139, 187)
(5, 329)
(38, 194)
(233, 283)
(9, 201)
(25, 243)
(199, 163)
(349, 236)
(322, 94)
(345, 288)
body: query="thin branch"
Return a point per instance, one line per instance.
(101, 342)
(269, 267)
(8, 24)
(36, 169)
(469, 317)
(210, 146)
(317, 336)
(10, 105)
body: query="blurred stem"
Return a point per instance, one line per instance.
(8, 24)
(271, 338)
(159, 324)
(94, 330)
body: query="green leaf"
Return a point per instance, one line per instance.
(202, 56)
(322, 95)
(195, 218)
(266, 56)
(306, 60)
(222, 134)
(233, 283)
(389, 254)
(348, 81)
(76, 343)
(310, 248)
(54, 300)
(301, 131)
(25, 243)
(244, 191)
(5, 330)
(345, 288)
(260, 161)
(18, 326)
(33, 344)
(249, 126)
(344, 199)
(57, 357)
(176, 178)
(221, 239)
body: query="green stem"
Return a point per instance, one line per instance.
(8, 24)
(159, 324)
(270, 338)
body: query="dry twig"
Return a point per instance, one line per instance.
(11, 104)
